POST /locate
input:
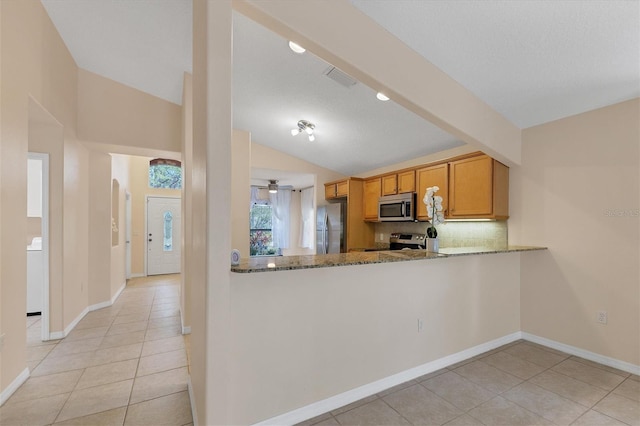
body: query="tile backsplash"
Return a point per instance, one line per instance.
(491, 234)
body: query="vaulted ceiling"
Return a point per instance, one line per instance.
(532, 60)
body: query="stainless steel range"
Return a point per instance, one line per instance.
(400, 241)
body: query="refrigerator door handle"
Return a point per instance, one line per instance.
(326, 234)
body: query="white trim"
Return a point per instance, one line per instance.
(142, 275)
(315, 409)
(13, 386)
(127, 233)
(192, 399)
(115, 296)
(44, 158)
(186, 329)
(591, 356)
(55, 335)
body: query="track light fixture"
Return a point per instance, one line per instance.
(304, 126)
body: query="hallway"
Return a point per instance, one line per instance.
(125, 364)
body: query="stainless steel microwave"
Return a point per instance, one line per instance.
(397, 208)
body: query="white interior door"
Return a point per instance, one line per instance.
(163, 235)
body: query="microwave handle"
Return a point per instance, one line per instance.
(402, 210)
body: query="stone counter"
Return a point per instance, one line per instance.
(285, 263)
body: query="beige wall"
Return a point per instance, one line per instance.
(41, 90)
(295, 342)
(35, 63)
(120, 171)
(577, 193)
(187, 202)
(112, 113)
(240, 192)
(99, 227)
(75, 232)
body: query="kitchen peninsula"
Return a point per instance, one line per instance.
(285, 263)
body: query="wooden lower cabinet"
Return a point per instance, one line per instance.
(427, 177)
(478, 188)
(372, 191)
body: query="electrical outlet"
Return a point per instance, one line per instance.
(602, 317)
(420, 325)
(381, 236)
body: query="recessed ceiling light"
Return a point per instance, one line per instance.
(381, 96)
(296, 48)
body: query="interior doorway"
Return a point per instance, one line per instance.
(127, 230)
(38, 239)
(163, 237)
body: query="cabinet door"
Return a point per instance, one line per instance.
(407, 182)
(390, 184)
(471, 190)
(342, 188)
(428, 177)
(329, 191)
(372, 190)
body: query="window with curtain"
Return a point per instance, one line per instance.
(307, 216)
(281, 204)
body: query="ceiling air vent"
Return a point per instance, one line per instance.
(339, 77)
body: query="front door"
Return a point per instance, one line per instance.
(163, 235)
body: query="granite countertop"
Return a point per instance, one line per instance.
(285, 263)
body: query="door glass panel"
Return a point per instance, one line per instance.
(168, 232)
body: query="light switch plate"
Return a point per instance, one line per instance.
(1, 341)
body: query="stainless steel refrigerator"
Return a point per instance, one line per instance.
(330, 228)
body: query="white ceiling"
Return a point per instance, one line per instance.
(533, 61)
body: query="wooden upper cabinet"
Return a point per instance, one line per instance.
(407, 181)
(390, 184)
(372, 191)
(342, 188)
(399, 183)
(478, 187)
(432, 176)
(336, 189)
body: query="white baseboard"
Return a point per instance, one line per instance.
(582, 353)
(137, 276)
(194, 412)
(56, 335)
(186, 329)
(13, 386)
(115, 296)
(337, 401)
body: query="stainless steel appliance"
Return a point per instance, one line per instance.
(399, 241)
(330, 228)
(397, 208)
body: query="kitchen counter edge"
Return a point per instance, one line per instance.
(289, 263)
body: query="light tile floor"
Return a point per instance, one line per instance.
(518, 384)
(122, 365)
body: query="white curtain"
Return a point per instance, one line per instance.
(306, 213)
(280, 205)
